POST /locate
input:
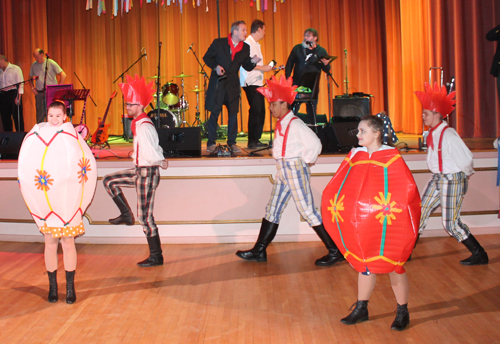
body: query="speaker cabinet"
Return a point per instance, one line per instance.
(345, 130)
(351, 107)
(10, 144)
(180, 142)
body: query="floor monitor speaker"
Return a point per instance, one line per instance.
(10, 144)
(345, 129)
(180, 141)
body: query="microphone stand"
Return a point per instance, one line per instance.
(45, 85)
(122, 75)
(205, 79)
(158, 88)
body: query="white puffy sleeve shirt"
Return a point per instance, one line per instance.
(146, 145)
(456, 156)
(302, 142)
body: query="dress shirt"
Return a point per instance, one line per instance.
(302, 142)
(364, 149)
(146, 138)
(254, 77)
(12, 75)
(456, 156)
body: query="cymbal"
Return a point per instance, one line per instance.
(156, 77)
(197, 90)
(182, 76)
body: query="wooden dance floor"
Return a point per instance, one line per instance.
(205, 294)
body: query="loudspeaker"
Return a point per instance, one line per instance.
(127, 124)
(180, 141)
(321, 118)
(10, 144)
(345, 129)
(351, 107)
(328, 139)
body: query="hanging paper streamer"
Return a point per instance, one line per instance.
(371, 209)
(89, 5)
(57, 174)
(101, 7)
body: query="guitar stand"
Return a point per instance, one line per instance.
(101, 145)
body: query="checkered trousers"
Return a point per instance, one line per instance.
(447, 191)
(145, 180)
(293, 179)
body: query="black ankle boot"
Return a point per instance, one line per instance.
(359, 314)
(402, 318)
(266, 235)
(127, 216)
(334, 255)
(155, 253)
(70, 287)
(53, 297)
(479, 255)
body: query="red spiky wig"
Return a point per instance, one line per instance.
(437, 99)
(135, 90)
(281, 91)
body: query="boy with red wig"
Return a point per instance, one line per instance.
(148, 157)
(295, 148)
(451, 164)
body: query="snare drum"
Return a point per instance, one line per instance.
(167, 118)
(182, 105)
(170, 93)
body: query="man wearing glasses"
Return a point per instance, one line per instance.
(148, 157)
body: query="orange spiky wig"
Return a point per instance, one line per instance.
(279, 91)
(135, 90)
(436, 99)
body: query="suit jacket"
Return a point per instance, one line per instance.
(494, 35)
(227, 90)
(297, 62)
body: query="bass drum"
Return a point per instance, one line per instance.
(167, 118)
(170, 93)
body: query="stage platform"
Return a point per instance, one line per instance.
(222, 199)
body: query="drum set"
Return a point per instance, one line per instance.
(173, 105)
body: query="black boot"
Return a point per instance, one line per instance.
(155, 253)
(359, 314)
(334, 255)
(479, 255)
(52, 286)
(126, 216)
(70, 287)
(266, 235)
(402, 318)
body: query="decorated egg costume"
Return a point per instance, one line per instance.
(57, 176)
(371, 209)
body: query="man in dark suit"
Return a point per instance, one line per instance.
(494, 35)
(224, 57)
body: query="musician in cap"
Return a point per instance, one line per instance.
(295, 149)
(306, 57)
(145, 176)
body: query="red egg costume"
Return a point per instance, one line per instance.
(371, 209)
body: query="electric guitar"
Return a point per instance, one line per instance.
(101, 134)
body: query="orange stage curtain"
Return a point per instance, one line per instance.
(390, 46)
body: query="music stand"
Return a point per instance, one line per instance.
(68, 96)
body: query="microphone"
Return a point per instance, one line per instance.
(145, 53)
(35, 78)
(309, 43)
(47, 54)
(189, 48)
